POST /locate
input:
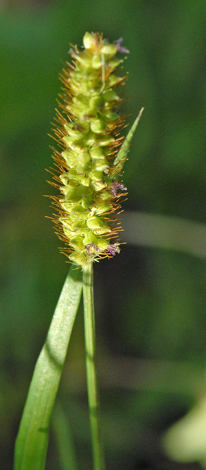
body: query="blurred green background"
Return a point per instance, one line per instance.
(150, 302)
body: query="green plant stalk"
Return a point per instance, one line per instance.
(92, 386)
(32, 440)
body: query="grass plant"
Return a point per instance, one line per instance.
(88, 175)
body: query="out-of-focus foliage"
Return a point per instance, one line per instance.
(150, 303)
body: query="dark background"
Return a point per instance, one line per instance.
(150, 303)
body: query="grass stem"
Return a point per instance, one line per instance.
(92, 386)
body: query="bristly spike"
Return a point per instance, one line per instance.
(87, 164)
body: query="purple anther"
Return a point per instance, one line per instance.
(91, 245)
(119, 48)
(116, 186)
(113, 249)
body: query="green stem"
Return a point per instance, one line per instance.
(92, 387)
(32, 440)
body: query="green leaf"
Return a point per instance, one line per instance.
(32, 439)
(122, 155)
(63, 437)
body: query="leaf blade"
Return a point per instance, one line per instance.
(122, 154)
(32, 440)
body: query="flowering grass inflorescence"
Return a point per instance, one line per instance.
(88, 135)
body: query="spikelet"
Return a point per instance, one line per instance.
(88, 135)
